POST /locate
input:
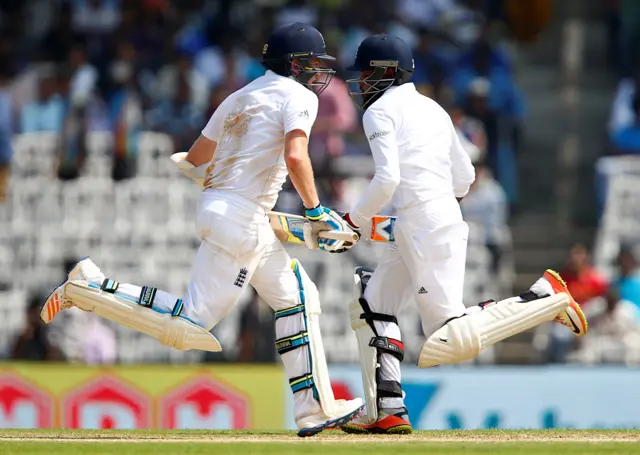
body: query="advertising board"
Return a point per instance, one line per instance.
(167, 396)
(513, 397)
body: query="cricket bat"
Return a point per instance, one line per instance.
(289, 228)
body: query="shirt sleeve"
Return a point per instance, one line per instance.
(381, 133)
(213, 128)
(461, 168)
(300, 112)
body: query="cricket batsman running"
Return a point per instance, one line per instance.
(421, 167)
(257, 135)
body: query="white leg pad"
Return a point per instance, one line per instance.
(175, 332)
(463, 338)
(368, 354)
(330, 406)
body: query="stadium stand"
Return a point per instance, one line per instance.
(141, 230)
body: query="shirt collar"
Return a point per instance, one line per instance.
(273, 75)
(408, 86)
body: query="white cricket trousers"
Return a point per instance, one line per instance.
(239, 248)
(427, 262)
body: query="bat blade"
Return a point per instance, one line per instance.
(290, 228)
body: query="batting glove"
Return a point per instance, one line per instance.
(324, 219)
(348, 245)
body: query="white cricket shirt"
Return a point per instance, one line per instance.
(249, 128)
(417, 153)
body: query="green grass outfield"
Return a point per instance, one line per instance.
(178, 442)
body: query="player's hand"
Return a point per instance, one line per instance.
(195, 173)
(324, 219)
(348, 245)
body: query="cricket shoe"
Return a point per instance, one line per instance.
(390, 421)
(85, 270)
(316, 423)
(573, 317)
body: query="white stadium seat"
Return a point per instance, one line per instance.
(142, 230)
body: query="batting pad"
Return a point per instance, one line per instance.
(175, 332)
(368, 354)
(463, 338)
(310, 299)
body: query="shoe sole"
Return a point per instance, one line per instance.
(396, 425)
(356, 429)
(400, 429)
(53, 308)
(573, 313)
(307, 432)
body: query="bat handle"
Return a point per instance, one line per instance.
(339, 235)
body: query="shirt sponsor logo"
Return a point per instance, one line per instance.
(377, 135)
(304, 114)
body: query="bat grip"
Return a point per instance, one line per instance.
(339, 235)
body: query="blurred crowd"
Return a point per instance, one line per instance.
(610, 290)
(73, 67)
(624, 119)
(612, 307)
(81, 66)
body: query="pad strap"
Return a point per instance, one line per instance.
(389, 389)
(386, 345)
(147, 296)
(486, 303)
(290, 311)
(382, 344)
(110, 286)
(284, 345)
(530, 296)
(301, 383)
(369, 316)
(177, 308)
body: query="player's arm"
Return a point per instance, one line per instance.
(201, 152)
(204, 147)
(461, 167)
(298, 117)
(380, 130)
(296, 157)
(194, 164)
(321, 218)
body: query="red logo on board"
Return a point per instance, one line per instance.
(204, 403)
(22, 405)
(106, 402)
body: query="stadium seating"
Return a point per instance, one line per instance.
(620, 221)
(141, 231)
